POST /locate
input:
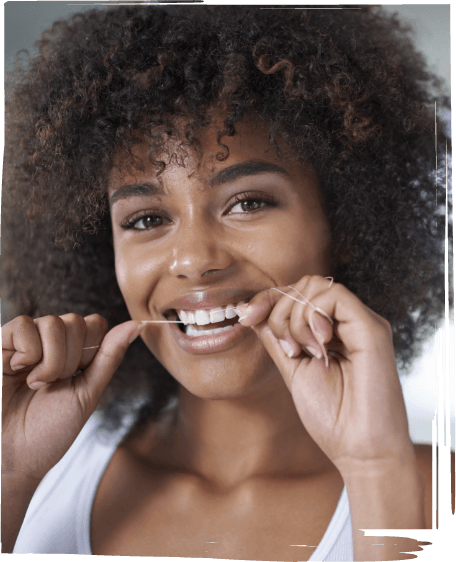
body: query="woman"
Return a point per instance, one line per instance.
(265, 171)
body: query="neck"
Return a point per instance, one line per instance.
(229, 441)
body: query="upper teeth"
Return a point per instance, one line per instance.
(202, 317)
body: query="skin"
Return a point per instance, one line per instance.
(206, 245)
(254, 458)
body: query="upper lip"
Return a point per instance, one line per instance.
(208, 299)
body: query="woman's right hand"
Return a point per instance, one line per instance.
(44, 408)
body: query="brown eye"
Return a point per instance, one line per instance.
(148, 222)
(250, 202)
(248, 206)
(251, 205)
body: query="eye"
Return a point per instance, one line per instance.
(145, 222)
(251, 202)
(248, 206)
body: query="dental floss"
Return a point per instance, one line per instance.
(287, 295)
(314, 309)
(312, 326)
(162, 321)
(179, 321)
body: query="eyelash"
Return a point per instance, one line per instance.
(257, 197)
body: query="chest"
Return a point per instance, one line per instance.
(141, 511)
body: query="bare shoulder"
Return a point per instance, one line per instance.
(423, 455)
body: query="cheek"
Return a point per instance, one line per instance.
(134, 278)
(292, 250)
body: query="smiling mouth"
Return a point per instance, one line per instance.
(205, 322)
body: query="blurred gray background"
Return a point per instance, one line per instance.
(24, 22)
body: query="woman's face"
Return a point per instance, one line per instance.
(209, 235)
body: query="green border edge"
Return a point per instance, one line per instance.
(441, 539)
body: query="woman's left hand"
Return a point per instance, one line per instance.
(353, 408)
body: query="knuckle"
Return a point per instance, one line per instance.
(386, 326)
(76, 319)
(23, 322)
(380, 326)
(97, 321)
(53, 322)
(304, 282)
(338, 288)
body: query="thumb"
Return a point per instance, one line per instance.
(286, 365)
(112, 350)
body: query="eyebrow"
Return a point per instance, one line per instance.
(249, 168)
(231, 173)
(135, 190)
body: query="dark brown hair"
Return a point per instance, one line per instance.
(345, 89)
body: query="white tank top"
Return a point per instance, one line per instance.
(58, 517)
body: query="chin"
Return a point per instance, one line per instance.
(219, 379)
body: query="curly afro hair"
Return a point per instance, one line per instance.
(345, 90)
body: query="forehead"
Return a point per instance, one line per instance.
(202, 158)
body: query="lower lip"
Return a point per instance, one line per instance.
(200, 345)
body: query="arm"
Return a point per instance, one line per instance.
(43, 407)
(16, 496)
(402, 497)
(385, 497)
(351, 404)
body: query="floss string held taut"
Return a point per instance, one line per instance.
(155, 322)
(175, 321)
(314, 309)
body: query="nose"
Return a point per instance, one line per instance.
(199, 250)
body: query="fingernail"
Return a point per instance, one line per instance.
(287, 348)
(36, 385)
(17, 367)
(314, 352)
(243, 310)
(136, 333)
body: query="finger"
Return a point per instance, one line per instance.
(52, 334)
(91, 383)
(21, 345)
(259, 307)
(309, 328)
(97, 328)
(279, 321)
(356, 326)
(75, 329)
(317, 319)
(302, 316)
(295, 327)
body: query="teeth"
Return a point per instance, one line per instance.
(217, 315)
(193, 332)
(203, 317)
(230, 312)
